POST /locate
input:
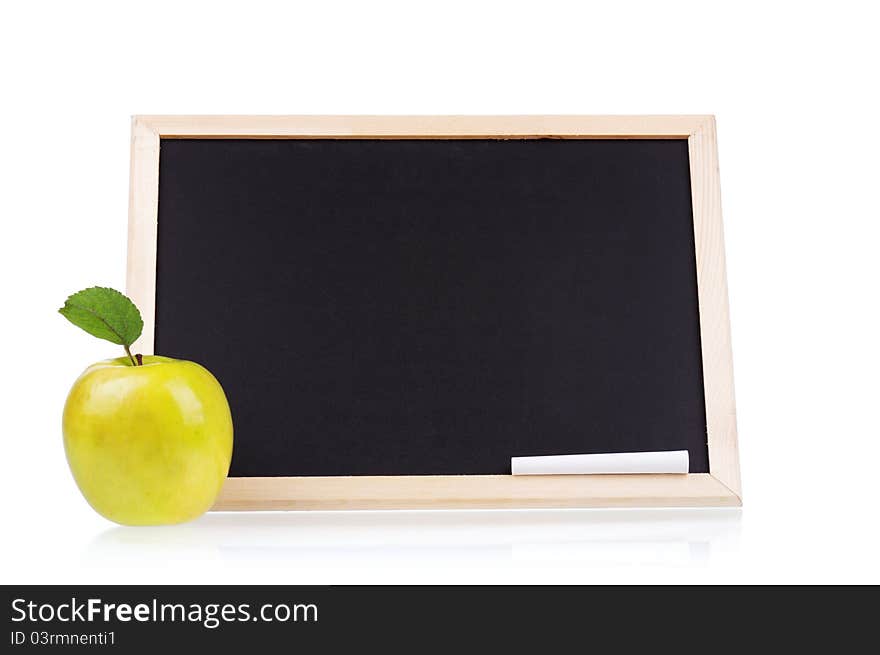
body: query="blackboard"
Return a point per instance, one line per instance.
(434, 306)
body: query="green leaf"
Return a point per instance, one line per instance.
(106, 314)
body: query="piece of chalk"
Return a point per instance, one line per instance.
(671, 461)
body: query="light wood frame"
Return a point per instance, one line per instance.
(719, 487)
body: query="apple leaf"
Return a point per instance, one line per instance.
(106, 314)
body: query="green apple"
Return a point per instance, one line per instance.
(148, 442)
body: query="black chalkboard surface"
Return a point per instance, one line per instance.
(409, 307)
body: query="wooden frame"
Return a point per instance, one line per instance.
(720, 487)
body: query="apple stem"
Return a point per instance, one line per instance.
(140, 359)
(128, 352)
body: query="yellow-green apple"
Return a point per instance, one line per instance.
(149, 439)
(148, 444)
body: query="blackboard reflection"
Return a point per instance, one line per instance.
(351, 540)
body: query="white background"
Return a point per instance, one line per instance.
(793, 86)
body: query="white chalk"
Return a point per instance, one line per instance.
(670, 461)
